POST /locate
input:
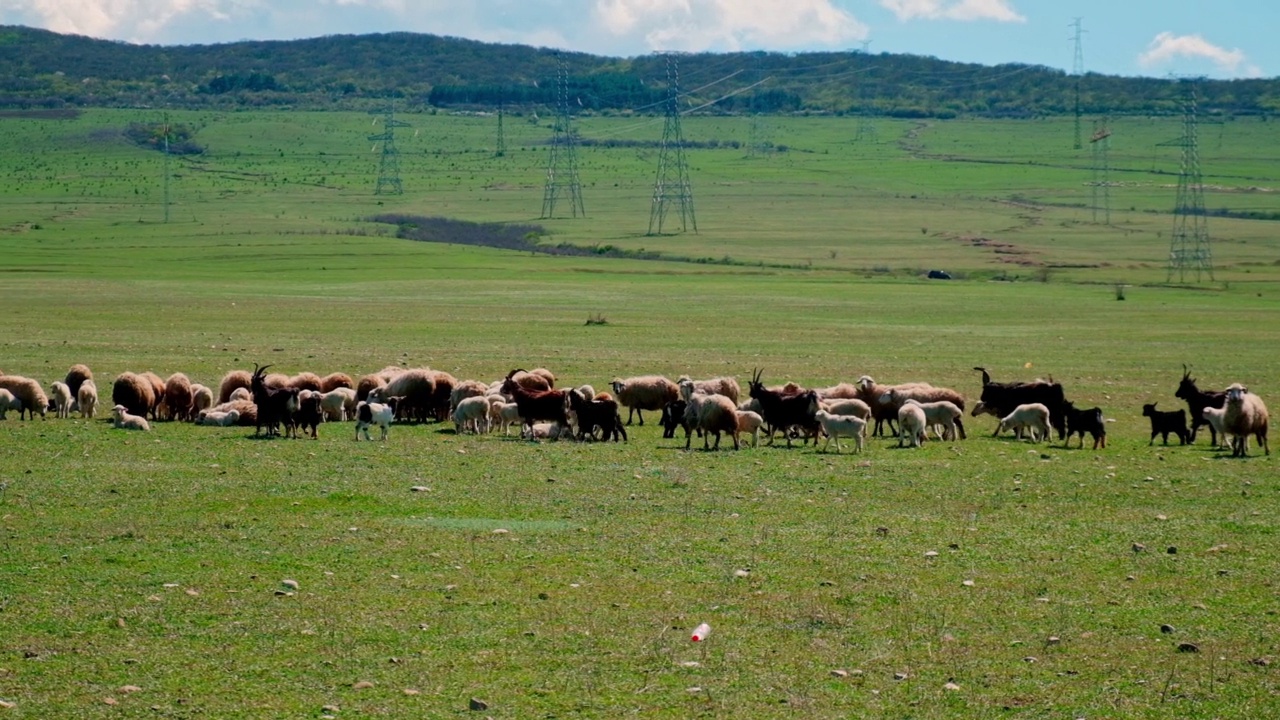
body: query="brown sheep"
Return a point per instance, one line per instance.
(29, 392)
(157, 390)
(333, 381)
(231, 381)
(134, 392)
(367, 384)
(178, 396)
(306, 381)
(76, 376)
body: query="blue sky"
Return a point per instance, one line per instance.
(1220, 39)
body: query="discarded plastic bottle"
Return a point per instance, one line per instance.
(701, 632)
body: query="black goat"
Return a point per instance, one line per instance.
(783, 411)
(536, 405)
(1197, 401)
(1163, 423)
(672, 418)
(596, 413)
(308, 414)
(275, 405)
(1001, 399)
(1085, 421)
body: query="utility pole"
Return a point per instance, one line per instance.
(672, 184)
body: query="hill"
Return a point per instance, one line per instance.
(41, 69)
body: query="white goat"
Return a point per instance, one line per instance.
(369, 414)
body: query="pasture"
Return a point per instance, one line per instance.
(982, 578)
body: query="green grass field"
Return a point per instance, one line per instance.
(155, 561)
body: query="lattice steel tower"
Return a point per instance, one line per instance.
(501, 148)
(1077, 69)
(1189, 250)
(389, 165)
(1101, 144)
(672, 184)
(562, 164)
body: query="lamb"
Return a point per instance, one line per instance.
(544, 431)
(710, 414)
(836, 426)
(873, 393)
(1216, 418)
(944, 414)
(1085, 421)
(840, 406)
(1032, 417)
(8, 402)
(241, 394)
(245, 409)
(336, 380)
(1004, 397)
(750, 422)
(218, 419)
(1245, 415)
(1163, 423)
(503, 415)
(337, 403)
(471, 414)
(911, 425)
(76, 377)
(28, 392)
(232, 380)
(124, 421)
(644, 392)
(369, 414)
(87, 399)
(926, 395)
(134, 392)
(177, 396)
(725, 386)
(201, 399)
(60, 398)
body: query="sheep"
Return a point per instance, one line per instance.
(134, 392)
(531, 381)
(389, 372)
(911, 425)
(201, 399)
(240, 394)
(439, 405)
(157, 391)
(839, 406)
(76, 377)
(836, 426)
(232, 380)
(336, 380)
(471, 414)
(926, 394)
(711, 413)
(177, 396)
(1085, 421)
(783, 411)
(839, 391)
(1215, 417)
(588, 391)
(504, 415)
(124, 421)
(750, 422)
(304, 381)
(8, 402)
(536, 405)
(1197, 401)
(1245, 415)
(725, 386)
(1032, 417)
(944, 414)
(218, 419)
(28, 392)
(338, 403)
(417, 386)
(644, 392)
(245, 409)
(466, 389)
(369, 414)
(368, 384)
(544, 431)
(1163, 423)
(60, 398)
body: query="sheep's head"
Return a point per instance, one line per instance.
(1236, 393)
(617, 385)
(866, 383)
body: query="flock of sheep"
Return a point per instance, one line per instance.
(530, 400)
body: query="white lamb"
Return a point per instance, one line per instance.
(87, 399)
(846, 406)
(369, 414)
(201, 398)
(60, 396)
(125, 421)
(1032, 417)
(1217, 420)
(750, 422)
(911, 425)
(8, 402)
(241, 394)
(215, 418)
(942, 414)
(338, 404)
(545, 431)
(504, 415)
(837, 426)
(472, 414)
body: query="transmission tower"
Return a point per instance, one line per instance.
(167, 129)
(562, 164)
(866, 129)
(1101, 144)
(1189, 250)
(500, 148)
(672, 184)
(1077, 69)
(389, 164)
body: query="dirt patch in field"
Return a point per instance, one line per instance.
(1005, 252)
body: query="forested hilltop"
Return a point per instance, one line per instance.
(41, 69)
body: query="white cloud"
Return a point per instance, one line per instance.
(729, 24)
(1167, 47)
(967, 10)
(137, 20)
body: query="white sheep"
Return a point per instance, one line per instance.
(911, 425)
(725, 386)
(338, 404)
(60, 398)
(87, 399)
(710, 413)
(215, 418)
(1032, 417)
(1245, 415)
(837, 426)
(8, 402)
(508, 414)
(941, 414)
(545, 431)
(839, 391)
(644, 392)
(750, 422)
(924, 394)
(846, 406)
(471, 414)
(240, 394)
(1216, 417)
(201, 398)
(369, 414)
(124, 421)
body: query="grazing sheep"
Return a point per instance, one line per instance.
(1032, 417)
(87, 399)
(76, 377)
(439, 405)
(839, 391)
(368, 384)
(389, 372)
(157, 392)
(1085, 421)
(201, 399)
(1216, 418)
(725, 386)
(8, 402)
(275, 381)
(231, 381)
(177, 396)
(27, 391)
(836, 426)
(925, 394)
(134, 392)
(466, 389)
(124, 421)
(912, 425)
(944, 414)
(247, 411)
(1163, 423)
(338, 404)
(1245, 415)
(644, 392)
(369, 414)
(305, 381)
(213, 418)
(710, 413)
(533, 382)
(841, 406)
(336, 380)
(471, 415)
(60, 398)
(417, 386)
(241, 394)
(748, 422)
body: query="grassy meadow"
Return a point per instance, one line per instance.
(140, 575)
